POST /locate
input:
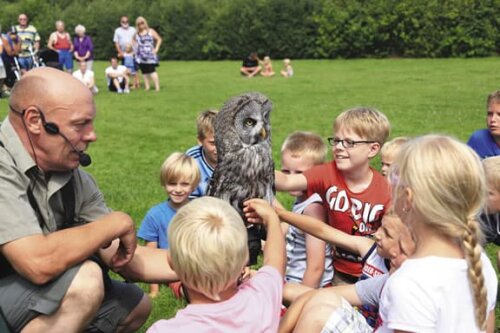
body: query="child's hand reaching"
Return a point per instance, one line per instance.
(258, 211)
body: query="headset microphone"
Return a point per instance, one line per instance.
(53, 129)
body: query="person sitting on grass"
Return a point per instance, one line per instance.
(205, 153)
(375, 252)
(267, 67)
(309, 259)
(491, 214)
(208, 249)
(486, 141)
(287, 70)
(250, 66)
(327, 309)
(388, 153)
(179, 176)
(86, 76)
(117, 77)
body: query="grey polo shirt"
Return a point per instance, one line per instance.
(18, 172)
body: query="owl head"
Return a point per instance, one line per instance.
(243, 121)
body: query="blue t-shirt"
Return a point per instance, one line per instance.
(206, 170)
(483, 143)
(155, 224)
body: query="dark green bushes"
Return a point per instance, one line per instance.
(229, 29)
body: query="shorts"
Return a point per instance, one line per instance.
(25, 62)
(22, 301)
(65, 59)
(112, 87)
(147, 68)
(346, 319)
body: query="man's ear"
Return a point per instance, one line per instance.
(33, 120)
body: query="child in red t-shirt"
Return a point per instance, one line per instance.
(355, 195)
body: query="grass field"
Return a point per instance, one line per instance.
(137, 131)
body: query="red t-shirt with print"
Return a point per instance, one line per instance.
(354, 213)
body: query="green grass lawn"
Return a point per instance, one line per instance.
(137, 131)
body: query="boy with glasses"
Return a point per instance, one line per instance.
(354, 195)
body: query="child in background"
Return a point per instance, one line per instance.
(129, 62)
(448, 284)
(209, 252)
(267, 67)
(491, 214)
(287, 70)
(309, 259)
(205, 153)
(388, 153)
(354, 194)
(179, 176)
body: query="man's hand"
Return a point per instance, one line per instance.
(125, 250)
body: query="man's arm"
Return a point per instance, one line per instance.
(50, 42)
(148, 264)
(40, 258)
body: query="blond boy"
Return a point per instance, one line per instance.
(179, 176)
(388, 153)
(205, 153)
(309, 259)
(491, 217)
(354, 194)
(209, 252)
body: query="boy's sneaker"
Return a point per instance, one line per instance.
(119, 91)
(126, 91)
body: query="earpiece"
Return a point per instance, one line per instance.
(50, 128)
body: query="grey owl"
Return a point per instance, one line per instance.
(245, 167)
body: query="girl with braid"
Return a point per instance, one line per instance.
(448, 284)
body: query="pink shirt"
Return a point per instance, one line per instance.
(254, 308)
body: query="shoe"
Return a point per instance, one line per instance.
(126, 91)
(119, 91)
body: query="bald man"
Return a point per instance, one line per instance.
(57, 236)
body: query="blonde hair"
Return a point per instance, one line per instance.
(368, 123)
(177, 167)
(493, 97)
(448, 193)
(208, 245)
(492, 170)
(306, 144)
(286, 61)
(205, 123)
(140, 19)
(392, 147)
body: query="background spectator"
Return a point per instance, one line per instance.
(60, 41)
(124, 35)
(30, 42)
(147, 42)
(83, 47)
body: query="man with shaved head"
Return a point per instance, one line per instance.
(57, 236)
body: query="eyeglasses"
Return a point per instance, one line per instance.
(124, 22)
(347, 143)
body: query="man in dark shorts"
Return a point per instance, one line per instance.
(57, 236)
(250, 66)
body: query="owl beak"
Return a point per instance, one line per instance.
(263, 133)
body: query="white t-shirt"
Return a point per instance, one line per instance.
(432, 294)
(119, 70)
(86, 78)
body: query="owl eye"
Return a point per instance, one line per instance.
(249, 122)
